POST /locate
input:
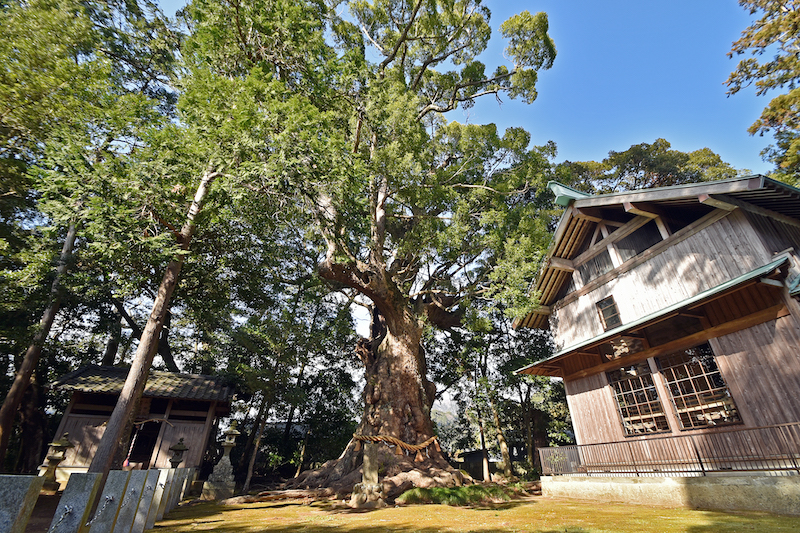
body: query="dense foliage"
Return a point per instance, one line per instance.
(770, 46)
(237, 185)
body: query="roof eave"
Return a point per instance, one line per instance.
(641, 322)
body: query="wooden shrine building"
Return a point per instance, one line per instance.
(676, 322)
(173, 406)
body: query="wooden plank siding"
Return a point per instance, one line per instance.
(775, 235)
(593, 410)
(85, 432)
(192, 434)
(718, 253)
(760, 366)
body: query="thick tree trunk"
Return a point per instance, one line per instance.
(114, 442)
(501, 441)
(22, 378)
(398, 396)
(397, 403)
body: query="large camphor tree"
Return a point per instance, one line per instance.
(428, 211)
(334, 115)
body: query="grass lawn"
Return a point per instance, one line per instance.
(537, 514)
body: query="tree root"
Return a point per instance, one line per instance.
(397, 474)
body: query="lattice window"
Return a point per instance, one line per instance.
(637, 400)
(700, 396)
(609, 314)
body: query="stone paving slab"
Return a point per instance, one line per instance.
(158, 498)
(130, 501)
(162, 505)
(110, 502)
(75, 505)
(146, 502)
(18, 495)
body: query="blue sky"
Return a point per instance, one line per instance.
(629, 72)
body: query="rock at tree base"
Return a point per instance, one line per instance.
(367, 496)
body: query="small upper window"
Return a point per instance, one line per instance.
(609, 314)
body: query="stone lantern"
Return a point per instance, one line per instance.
(177, 453)
(59, 449)
(220, 484)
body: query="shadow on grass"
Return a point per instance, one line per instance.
(293, 516)
(338, 508)
(545, 516)
(733, 521)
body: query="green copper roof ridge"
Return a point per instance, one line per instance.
(565, 193)
(760, 271)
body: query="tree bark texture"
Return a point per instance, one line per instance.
(112, 346)
(397, 403)
(114, 440)
(501, 441)
(22, 378)
(258, 431)
(34, 425)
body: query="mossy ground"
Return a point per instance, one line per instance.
(541, 515)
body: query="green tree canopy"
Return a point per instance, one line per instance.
(771, 44)
(646, 165)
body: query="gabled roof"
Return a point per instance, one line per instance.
(110, 380)
(582, 213)
(775, 269)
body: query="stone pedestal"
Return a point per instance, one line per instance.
(75, 504)
(369, 493)
(59, 448)
(220, 484)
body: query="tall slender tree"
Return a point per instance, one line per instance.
(67, 112)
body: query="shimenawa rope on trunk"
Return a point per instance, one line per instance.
(401, 447)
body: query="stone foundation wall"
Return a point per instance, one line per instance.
(774, 494)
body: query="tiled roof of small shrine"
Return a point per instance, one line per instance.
(110, 380)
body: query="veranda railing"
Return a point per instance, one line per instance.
(774, 450)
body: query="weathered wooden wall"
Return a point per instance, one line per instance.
(193, 434)
(713, 255)
(593, 410)
(761, 366)
(777, 236)
(85, 432)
